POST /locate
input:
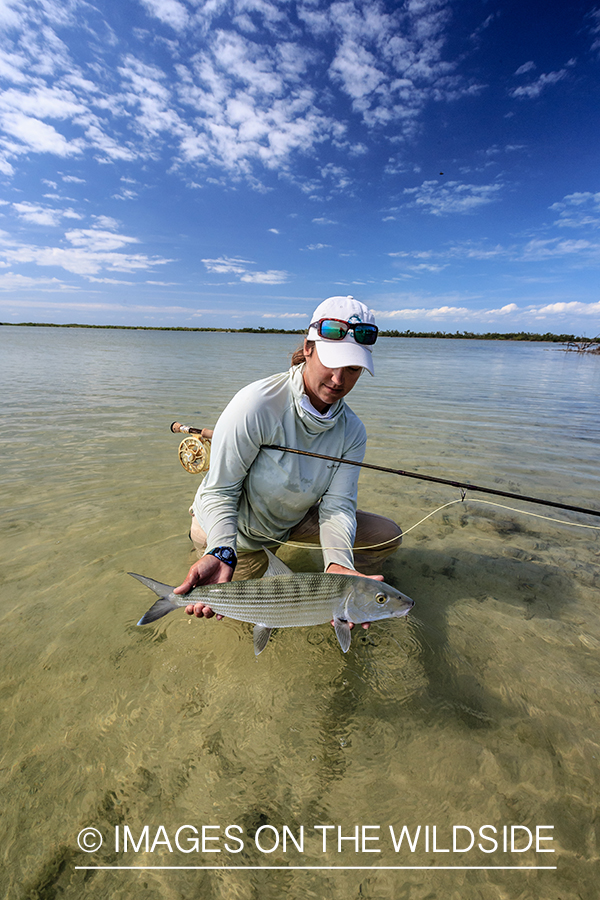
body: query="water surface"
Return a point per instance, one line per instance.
(481, 708)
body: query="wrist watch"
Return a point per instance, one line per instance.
(225, 554)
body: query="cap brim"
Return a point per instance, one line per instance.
(336, 354)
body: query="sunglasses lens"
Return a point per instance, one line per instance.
(365, 334)
(332, 330)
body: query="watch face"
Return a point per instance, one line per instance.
(225, 554)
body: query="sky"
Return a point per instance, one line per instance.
(232, 163)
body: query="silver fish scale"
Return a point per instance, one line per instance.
(305, 598)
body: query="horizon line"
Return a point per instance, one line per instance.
(523, 336)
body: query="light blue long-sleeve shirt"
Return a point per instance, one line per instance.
(253, 497)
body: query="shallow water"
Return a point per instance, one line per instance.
(481, 708)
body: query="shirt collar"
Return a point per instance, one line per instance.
(307, 405)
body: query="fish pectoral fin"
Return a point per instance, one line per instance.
(261, 637)
(343, 633)
(276, 566)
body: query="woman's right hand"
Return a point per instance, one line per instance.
(208, 570)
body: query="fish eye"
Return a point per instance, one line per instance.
(380, 597)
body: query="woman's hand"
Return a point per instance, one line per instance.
(335, 569)
(208, 570)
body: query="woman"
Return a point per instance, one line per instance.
(255, 497)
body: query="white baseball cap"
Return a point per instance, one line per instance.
(344, 352)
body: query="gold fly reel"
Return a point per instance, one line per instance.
(194, 454)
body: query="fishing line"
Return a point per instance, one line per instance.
(316, 546)
(523, 512)
(206, 434)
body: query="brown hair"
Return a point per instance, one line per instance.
(298, 354)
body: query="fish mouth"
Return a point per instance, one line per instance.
(404, 612)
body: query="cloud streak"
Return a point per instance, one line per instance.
(240, 268)
(452, 197)
(91, 253)
(531, 312)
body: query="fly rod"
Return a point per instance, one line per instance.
(206, 433)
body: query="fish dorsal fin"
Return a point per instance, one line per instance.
(343, 633)
(276, 566)
(261, 637)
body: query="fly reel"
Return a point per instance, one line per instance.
(194, 454)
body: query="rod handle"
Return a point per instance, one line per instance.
(178, 428)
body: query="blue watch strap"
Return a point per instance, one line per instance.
(225, 554)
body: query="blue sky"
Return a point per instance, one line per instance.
(234, 162)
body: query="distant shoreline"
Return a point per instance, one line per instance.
(548, 337)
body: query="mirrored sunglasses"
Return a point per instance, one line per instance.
(337, 329)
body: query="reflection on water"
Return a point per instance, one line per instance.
(480, 708)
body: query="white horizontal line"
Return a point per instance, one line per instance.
(320, 868)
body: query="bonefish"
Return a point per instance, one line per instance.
(284, 599)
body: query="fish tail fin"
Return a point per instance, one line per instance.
(162, 606)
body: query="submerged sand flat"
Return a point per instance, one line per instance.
(481, 708)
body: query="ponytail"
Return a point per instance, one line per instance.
(298, 354)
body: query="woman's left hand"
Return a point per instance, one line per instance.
(335, 569)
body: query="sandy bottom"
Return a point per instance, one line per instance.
(479, 709)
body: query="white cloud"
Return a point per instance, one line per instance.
(526, 67)
(439, 312)
(389, 61)
(125, 195)
(594, 27)
(273, 276)
(252, 104)
(239, 267)
(87, 306)
(81, 261)
(414, 254)
(283, 316)
(578, 210)
(37, 136)
(465, 316)
(574, 307)
(43, 215)
(12, 281)
(452, 197)
(95, 240)
(106, 223)
(171, 12)
(530, 91)
(243, 101)
(503, 311)
(356, 68)
(428, 267)
(577, 253)
(226, 265)
(92, 252)
(549, 248)
(43, 102)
